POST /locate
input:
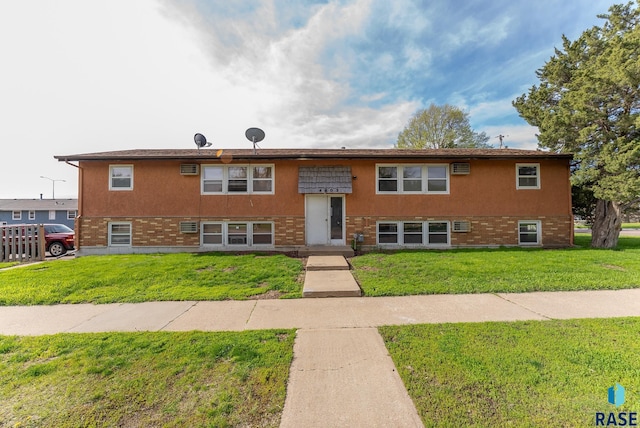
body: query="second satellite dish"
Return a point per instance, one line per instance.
(254, 134)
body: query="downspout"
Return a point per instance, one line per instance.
(80, 210)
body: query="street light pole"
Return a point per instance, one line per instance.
(53, 185)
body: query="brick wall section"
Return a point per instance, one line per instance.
(485, 231)
(290, 230)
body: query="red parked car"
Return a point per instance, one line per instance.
(58, 239)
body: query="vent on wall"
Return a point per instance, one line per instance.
(459, 168)
(188, 227)
(189, 169)
(461, 226)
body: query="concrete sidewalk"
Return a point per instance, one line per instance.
(341, 374)
(348, 312)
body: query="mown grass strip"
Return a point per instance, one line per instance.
(500, 270)
(158, 277)
(145, 379)
(529, 374)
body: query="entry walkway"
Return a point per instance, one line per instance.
(341, 374)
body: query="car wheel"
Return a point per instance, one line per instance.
(57, 249)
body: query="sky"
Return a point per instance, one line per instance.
(83, 76)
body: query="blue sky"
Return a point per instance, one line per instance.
(80, 76)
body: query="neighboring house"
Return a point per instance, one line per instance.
(36, 211)
(285, 200)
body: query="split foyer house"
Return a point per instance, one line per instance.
(289, 199)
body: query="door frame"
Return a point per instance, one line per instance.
(326, 218)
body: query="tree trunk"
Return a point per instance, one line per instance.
(607, 223)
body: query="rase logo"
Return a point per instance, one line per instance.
(616, 396)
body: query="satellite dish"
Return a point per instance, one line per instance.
(201, 141)
(254, 135)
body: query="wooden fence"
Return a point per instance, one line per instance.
(22, 243)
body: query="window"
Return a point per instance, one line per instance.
(32, 215)
(262, 180)
(262, 234)
(528, 232)
(437, 179)
(52, 214)
(438, 233)
(237, 179)
(237, 234)
(413, 178)
(212, 178)
(387, 179)
(121, 177)
(72, 214)
(211, 234)
(16, 215)
(119, 234)
(387, 233)
(528, 176)
(234, 234)
(412, 233)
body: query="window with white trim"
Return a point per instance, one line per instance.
(528, 176)
(32, 215)
(262, 234)
(120, 234)
(16, 215)
(211, 234)
(237, 179)
(120, 177)
(529, 232)
(52, 214)
(237, 234)
(72, 214)
(387, 233)
(438, 233)
(412, 178)
(413, 233)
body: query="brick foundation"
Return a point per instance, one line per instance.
(290, 231)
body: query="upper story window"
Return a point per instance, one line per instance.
(528, 176)
(237, 179)
(72, 214)
(32, 215)
(414, 178)
(16, 215)
(121, 177)
(52, 214)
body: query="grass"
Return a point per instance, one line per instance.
(500, 270)
(548, 373)
(139, 278)
(145, 379)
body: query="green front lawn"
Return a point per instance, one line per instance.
(524, 374)
(499, 270)
(145, 379)
(140, 278)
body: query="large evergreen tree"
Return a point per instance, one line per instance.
(588, 103)
(440, 127)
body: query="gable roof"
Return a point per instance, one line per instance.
(273, 154)
(38, 204)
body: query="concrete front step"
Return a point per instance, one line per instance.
(330, 283)
(327, 263)
(326, 250)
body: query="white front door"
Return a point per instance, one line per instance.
(324, 219)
